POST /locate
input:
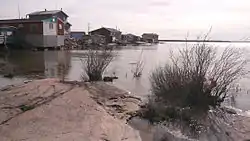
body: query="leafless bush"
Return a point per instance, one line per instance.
(195, 79)
(198, 77)
(139, 66)
(96, 62)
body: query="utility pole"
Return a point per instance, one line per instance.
(88, 28)
(19, 16)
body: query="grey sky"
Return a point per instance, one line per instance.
(171, 19)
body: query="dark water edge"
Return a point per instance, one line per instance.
(144, 128)
(5, 81)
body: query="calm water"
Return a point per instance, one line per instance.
(46, 64)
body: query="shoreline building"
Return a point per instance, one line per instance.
(44, 29)
(150, 37)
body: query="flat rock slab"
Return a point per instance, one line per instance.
(116, 102)
(15, 100)
(68, 113)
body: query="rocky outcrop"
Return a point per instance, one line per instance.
(162, 133)
(116, 102)
(226, 124)
(220, 124)
(159, 132)
(46, 110)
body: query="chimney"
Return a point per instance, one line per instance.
(61, 9)
(45, 9)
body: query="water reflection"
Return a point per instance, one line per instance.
(45, 64)
(57, 63)
(50, 63)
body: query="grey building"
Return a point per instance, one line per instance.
(37, 33)
(41, 28)
(130, 38)
(111, 35)
(150, 37)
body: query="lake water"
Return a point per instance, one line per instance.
(46, 64)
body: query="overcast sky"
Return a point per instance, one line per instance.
(171, 19)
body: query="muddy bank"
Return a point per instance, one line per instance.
(49, 110)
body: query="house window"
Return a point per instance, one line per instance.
(20, 25)
(33, 28)
(9, 33)
(60, 26)
(51, 26)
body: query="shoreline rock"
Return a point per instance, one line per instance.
(115, 101)
(62, 112)
(50, 110)
(220, 125)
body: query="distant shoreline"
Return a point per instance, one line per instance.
(213, 41)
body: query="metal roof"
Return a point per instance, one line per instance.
(18, 21)
(77, 32)
(149, 34)
(129, 34)
(109, 29)
(48, 12)
(112, 29)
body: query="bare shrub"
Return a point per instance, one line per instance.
(139, 66)
(195, 79)
(96, 62)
